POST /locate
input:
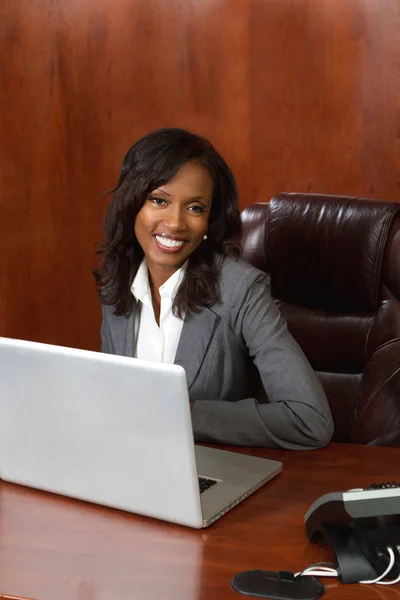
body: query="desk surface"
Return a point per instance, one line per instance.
(53, 548)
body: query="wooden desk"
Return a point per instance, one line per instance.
(53, 548)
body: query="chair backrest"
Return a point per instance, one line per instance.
(335, 271)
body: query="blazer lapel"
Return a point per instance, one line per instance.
(197, 332)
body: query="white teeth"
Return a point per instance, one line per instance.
(168, 243)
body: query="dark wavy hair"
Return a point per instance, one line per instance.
(151, 162)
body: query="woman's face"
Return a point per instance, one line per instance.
(174, 219)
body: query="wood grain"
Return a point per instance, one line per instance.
(298, 95)
(53, 547)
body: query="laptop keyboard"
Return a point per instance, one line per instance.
(205, 484)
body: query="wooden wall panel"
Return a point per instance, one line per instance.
(326, 114)
(299, 95)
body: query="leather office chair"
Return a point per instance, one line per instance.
(335, 272)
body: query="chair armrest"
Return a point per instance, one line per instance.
(388, 439)
(378, 416)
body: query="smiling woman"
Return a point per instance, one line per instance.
(171, 274)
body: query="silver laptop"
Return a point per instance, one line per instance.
(115, 431)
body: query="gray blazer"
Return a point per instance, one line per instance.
(230, 349)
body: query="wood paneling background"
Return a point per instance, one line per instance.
(298, 95)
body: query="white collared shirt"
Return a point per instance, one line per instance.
(157, 343)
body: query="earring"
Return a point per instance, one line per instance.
(204, 237)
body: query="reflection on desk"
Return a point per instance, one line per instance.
(54, 548)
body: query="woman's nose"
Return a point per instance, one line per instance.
(174, 219)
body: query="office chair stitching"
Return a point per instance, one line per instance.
(367, 338)
(377, 389)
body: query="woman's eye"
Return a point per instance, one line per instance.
(196, 209)
(157, 201)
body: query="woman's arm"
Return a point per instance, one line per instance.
(297, 415)
(106, 340)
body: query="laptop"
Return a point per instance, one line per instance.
(114, 431)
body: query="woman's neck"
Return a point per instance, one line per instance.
(156, 301)
(159, 275)
(157, 278)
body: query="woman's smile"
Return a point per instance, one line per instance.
(168, 244)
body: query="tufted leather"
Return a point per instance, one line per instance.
(335, 272)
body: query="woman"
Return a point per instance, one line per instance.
(173, 289)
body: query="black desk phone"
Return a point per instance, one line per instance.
(363, 528)
(360, 525)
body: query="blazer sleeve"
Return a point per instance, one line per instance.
(107, 345)
(297, 416)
